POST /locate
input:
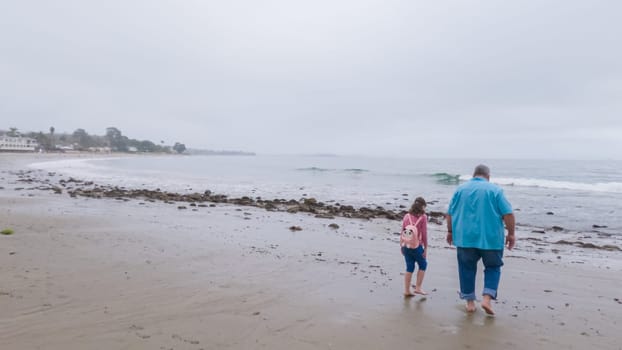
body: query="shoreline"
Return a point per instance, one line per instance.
(544, 243)
(532, 213)
(84, 273)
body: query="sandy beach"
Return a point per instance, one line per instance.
(83, 273)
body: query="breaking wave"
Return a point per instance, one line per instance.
(606, 187)
(320, 170)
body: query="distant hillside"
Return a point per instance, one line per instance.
(209, 152)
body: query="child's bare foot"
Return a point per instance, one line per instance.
(470, 306)
(419, 291)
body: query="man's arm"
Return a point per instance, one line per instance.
(450, 239)
(510, 224)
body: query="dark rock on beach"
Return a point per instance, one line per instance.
(580, 244)
(324, 216)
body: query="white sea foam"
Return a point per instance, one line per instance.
(609, 187)
(92, 170)
(73, 163)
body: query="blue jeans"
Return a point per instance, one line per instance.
(467, 270)
(414, 255)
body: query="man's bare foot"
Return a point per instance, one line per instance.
(470, 306)
(487, 307)
(419, 291)
(486, 300)
(408, 295)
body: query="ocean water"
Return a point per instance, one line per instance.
(572, 194)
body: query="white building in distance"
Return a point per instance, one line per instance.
(17, 144)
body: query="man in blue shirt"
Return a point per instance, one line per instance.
(475, 225)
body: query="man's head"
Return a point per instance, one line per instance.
(482, 171)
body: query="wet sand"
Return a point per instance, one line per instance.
(81, 273)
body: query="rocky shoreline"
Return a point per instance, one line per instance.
(56, 183)
(80, 188)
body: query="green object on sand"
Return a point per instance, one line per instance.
(7, 231)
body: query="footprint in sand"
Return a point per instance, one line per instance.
(136, 330)
(178, 337)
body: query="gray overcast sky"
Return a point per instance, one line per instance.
(505, 79)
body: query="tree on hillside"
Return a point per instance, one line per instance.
(43, 141)
(147, 146)
(83, 139)
(179, 147)
(52, 136)
(117, 141)
(12, 132)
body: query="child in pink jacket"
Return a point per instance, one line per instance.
(414, 247)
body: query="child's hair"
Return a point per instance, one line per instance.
(418, 207)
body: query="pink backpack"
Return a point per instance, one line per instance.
(410, 236)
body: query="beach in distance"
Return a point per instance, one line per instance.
(216, 252)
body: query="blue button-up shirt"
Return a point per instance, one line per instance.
(477, 209)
